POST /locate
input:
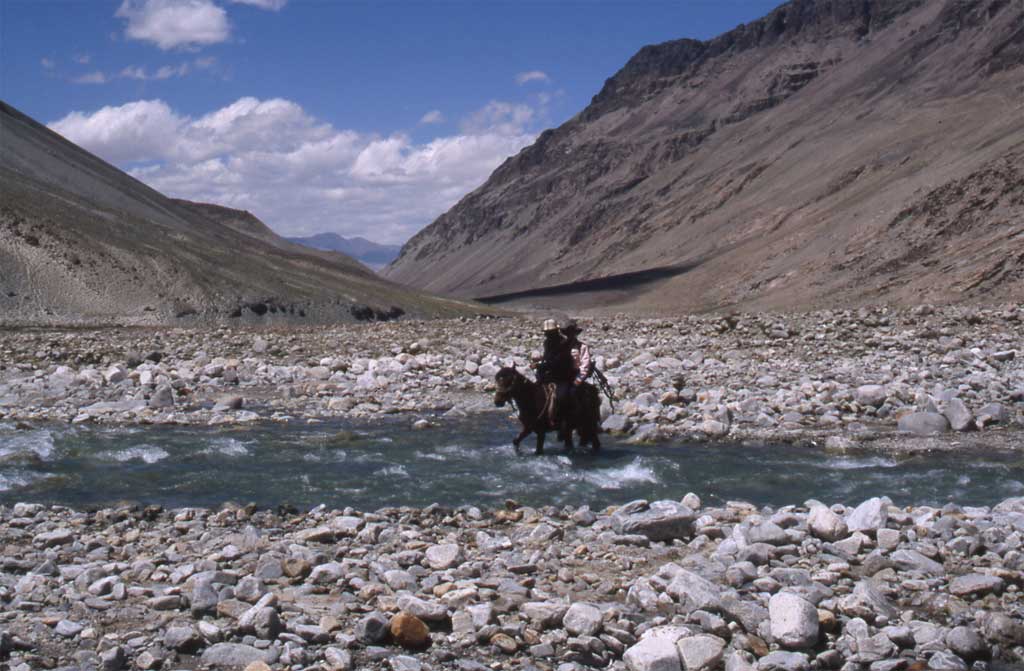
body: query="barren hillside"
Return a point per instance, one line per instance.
(834, 152)
(83, 242)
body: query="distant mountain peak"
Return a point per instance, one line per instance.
(366, 251)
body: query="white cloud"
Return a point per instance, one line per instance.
(82, 59)
(164, 72)
(91, 78)
(134, 72)
(296, 172)
(138, 131)
(433, 116)
(174, 23)
(47, 63)
(501, 117)
(273, 5)
(168, 71)
(532, 76)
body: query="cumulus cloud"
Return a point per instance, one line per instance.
(137, 131)
(433, 116)
(96, 77)
(532, 76)
(298, 173)
(174, 23)
(273, 5)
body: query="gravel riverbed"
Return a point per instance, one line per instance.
(645, 586)
(901, 379)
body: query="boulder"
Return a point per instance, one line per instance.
(784, 661)
(825, 524)
(870, 515)
(960, 418)
(923, 423)
(872, 395)
(163, 397)
(372, 629)
(655, 651)
(868, 603)
(975, 585)
(701, 653)
(428, 611)
(661, 521)
(233, 656)
(794, 621)
(444, 556)
(582, 619)
(912, 560)
(544, 614)
(968, 644)
(694, 592)
(616, 424)
(337, 659)
(409, 631)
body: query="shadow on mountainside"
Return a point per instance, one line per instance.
(621, 282)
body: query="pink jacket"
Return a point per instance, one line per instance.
(584, 363)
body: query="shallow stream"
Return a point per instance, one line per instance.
(461, 461)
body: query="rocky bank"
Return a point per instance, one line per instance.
(645, 586)
(903, 379)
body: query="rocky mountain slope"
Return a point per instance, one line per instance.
(834, 152)
(365, 251)
(83, 242)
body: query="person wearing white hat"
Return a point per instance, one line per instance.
(557, 367)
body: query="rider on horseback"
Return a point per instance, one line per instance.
(558, 368)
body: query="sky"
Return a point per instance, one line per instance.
(359, 118)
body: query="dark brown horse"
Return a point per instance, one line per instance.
(531, 403)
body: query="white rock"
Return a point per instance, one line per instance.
(701, 653)
(794, 621)
(825, 524)
(582, 619)
(656, 651)
(869, 516)
(444, 556)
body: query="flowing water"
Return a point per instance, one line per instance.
(462, 461)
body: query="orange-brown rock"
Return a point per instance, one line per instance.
(410, 632)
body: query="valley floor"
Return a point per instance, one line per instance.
(920, 379)
(640, 586)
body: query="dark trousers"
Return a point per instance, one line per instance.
(563, 399)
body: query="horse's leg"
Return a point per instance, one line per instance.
(540, 441)
(522, 434)
(567, 437)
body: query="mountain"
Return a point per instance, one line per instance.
(365, 251)
(81, 242)
(832, 153)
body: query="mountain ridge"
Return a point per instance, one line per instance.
(777, 154)
(81, 242)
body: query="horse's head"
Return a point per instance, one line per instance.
(504, 382)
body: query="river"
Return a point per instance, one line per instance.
(463, 461)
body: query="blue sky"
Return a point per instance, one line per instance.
(363, 118)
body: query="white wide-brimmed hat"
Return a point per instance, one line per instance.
(550, 325)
